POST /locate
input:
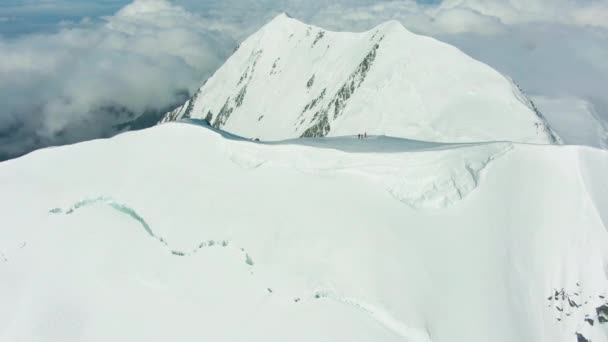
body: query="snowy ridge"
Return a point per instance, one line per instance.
(430, 180)
(520, 255)
(575, 120)
(292, 80)
(424, 180)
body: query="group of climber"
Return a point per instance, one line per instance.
(362, 136)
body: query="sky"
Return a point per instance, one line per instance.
(72, 69)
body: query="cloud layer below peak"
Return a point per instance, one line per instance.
(80, 81)
(91, 64)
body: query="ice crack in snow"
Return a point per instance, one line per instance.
(130, 212)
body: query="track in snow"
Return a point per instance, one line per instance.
(381, 316)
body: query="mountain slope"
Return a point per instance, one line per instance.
(575, 121)
(144, 238)
(291, 79)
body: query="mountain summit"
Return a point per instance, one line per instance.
(293, 80)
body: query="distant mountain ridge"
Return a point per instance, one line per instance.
(293, 80)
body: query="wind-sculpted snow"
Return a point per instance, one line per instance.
(420, 180)
(431, 180)
(446, 181)
(130, 212)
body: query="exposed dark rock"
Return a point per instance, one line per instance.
(543, 125)
(581, 338)
(319, 129)
(602, 313)
(248, 260)
(223, 115)
(240, 97)
(374, 35)
(273, 71)
(209, 117)
(244, 76)
(322, 127)
(310, 82)
(314, 101)
(319, 36)
(191, 103)
(250, 70)
(354, 81)
(590, 321)
(572, 303)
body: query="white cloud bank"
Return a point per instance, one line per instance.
(77, 83)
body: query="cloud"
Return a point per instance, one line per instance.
(592, 15)
(464, 20)
(512, 12)
(87, 69)
(80, 82)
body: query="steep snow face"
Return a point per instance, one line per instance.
(575, 121)
(145, 238)
(291, 79)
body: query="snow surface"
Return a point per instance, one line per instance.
(185, 233)
(291, 79)
(574, 120)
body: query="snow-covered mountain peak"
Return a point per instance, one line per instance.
(285, 21)
(291, 79)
